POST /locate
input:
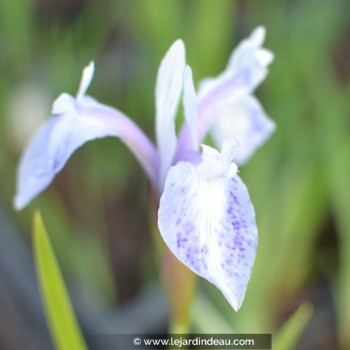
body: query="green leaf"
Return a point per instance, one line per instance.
(60, 316)
(286, 338)
(206, 318)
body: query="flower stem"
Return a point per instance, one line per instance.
(180, 284)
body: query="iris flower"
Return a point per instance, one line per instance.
(205, 214)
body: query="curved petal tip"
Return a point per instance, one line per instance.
(209, 223)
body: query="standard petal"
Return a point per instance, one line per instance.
(247, 67)
(55, 142)
(209, 225)
(249, 56)
(244, 119)
(190, 106)
(168, 91)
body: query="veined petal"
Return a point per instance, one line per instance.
(190, 105)
(247, 67)
(208, 222)
(244, 119)
(168, 91)
(75, 122)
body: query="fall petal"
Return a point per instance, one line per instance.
(74, 122)
(209, 225)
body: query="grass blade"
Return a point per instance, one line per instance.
(288, 336)
(60, 316)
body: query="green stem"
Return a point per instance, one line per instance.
(180, 284)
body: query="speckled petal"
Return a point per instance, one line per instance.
(209, 225)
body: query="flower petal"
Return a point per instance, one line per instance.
(190, 105)
(75, 122)
(247, 67)
(86, 79)
(168, 91)
(244, 119)
(252, 58)
(215, 164)
(47, 153)
(209, 224)
(64, 103)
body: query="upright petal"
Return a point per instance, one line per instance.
(244, 119)
(76, 121)
(208, 222)
(168, 91)
(86, 79)
(251, 58)
(247, 67)
(190, 106)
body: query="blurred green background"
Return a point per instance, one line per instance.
(96, 212)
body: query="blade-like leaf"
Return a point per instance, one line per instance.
(206, 318)
(60, 316)
(288, 336)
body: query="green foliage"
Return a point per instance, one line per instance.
(60, 316)
(288, 336)
(216, 323)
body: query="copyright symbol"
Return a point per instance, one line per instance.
(137, 341)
